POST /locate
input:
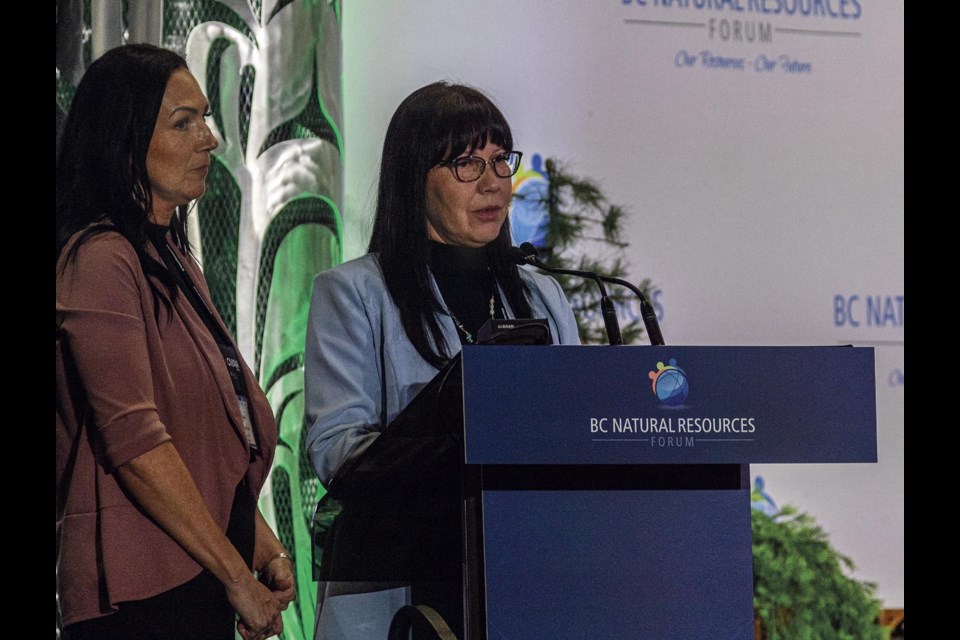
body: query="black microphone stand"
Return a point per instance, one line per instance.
(647, 312)
(607, 310)
(527, 254)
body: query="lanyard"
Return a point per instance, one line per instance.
(229, 353)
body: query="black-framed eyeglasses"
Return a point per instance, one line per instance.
(470, 168)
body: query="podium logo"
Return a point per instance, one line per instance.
(670, 383)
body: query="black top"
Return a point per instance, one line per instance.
(466, 283)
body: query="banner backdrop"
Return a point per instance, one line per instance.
(758, 147)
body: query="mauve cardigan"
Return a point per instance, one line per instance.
(130, 376)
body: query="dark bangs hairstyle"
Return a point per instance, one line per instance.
(437, 122)
(102, 181)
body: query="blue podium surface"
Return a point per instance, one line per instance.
(668, 405)
(613, 480)
(618, 565)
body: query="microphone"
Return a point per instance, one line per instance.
(526, 253)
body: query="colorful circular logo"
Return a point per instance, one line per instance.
(670, 383)
(528, 211)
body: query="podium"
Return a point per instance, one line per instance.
(604, 492)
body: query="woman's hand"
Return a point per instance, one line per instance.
(160, 484)
(275, 570)
(258, 607)
(277, 575)
(273, 564)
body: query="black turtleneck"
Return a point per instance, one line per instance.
(466, 283)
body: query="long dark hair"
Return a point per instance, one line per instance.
(434, 123)
(102, 161)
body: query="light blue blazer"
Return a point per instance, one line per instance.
(360, 368)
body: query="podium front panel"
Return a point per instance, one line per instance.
(618, 564)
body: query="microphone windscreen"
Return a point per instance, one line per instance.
(518, 255)
(529, 250)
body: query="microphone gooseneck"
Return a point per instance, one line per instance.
(526, 253)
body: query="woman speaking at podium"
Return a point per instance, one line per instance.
(383, 325)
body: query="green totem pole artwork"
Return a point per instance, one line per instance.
(270, 219)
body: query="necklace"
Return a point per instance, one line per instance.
(466, 334)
